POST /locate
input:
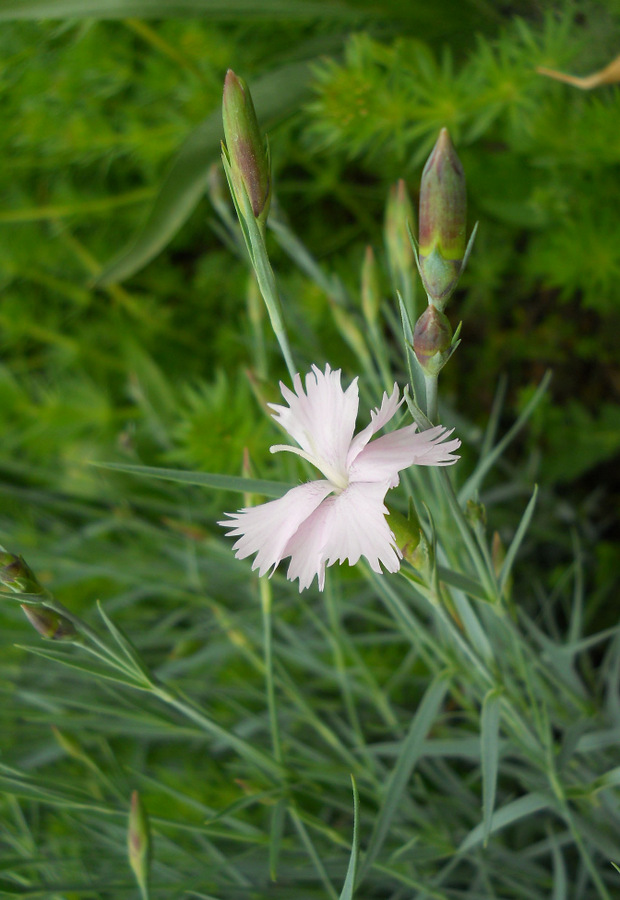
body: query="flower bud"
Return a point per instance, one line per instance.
(443, 213)
(139, 842)
(247, 156)
(399, 218)
(371, 298)
(50, 624)
(432, 340)
(16, 574)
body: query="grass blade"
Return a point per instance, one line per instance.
(349, 882)
(409, 755)
(489, 755)
(203, 479)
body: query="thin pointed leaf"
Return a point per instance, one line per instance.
(277, 830)
(487, 462)
(203, 479)
(126, 646)
(525, 806)
(411, 749)
(489, 756)
(275, 95)
(151, 9)
(517, 541)
(349, 882)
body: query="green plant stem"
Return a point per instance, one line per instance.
(430, 382)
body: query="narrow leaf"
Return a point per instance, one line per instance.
(507, 815)
(203, 479)
(517, 541)
(489, 756)
(150, 9)
(410, 753)
(487, 462)
(349, 882)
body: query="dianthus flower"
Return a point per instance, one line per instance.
(342, 516)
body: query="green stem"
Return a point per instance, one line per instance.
(266, 597)
(431, 397)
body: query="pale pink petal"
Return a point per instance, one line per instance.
(357, 527)
(345, 526)
(266, 529)
(378, 418)
(307, 547)
(383, 458)
(322, 419)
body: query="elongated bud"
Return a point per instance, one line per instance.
(443, 214)
(399, 218)
(16, 574)
(50, 624)
(371, 298)
(247, 156)
(139, 842)
(432, 340)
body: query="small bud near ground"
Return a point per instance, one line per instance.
(442, 222)
(139, 843)
(432, 340)
(16, 574)
(245, 149)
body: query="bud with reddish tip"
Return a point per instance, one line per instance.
(432, 340)
(16, 574)
(443, 214)
(245, 152)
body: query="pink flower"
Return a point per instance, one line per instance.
(341, 516)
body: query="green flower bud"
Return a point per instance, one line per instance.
(50, 624)
(247, 155)
(399, 218)
(16, 574)
(443, 214)
(371, 297)
(139, 842)
(432, 340)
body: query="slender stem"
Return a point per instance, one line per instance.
(431, 397)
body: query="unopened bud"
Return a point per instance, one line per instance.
(399, 219)
(432, 340)
(371, 298)
(247, 155)
(406, 533)
(16, 574)
(50, 624)
(443, 214)
(139, 842)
